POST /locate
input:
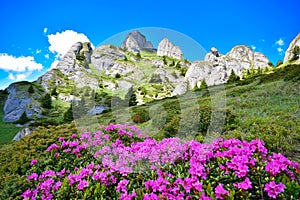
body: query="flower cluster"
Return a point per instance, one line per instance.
(118, 161)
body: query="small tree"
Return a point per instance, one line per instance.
(47, 101)
(295, 52)
(131, 97)
(54, 92)
(279, 62)
(138, 55)
(68, 115)
(30, 89)
(23, 118)
(233, 77)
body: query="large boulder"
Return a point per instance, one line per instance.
(20, 100)
(289, 52)
(167, 48)
(135, 41)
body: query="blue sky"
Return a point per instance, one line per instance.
(35, 33)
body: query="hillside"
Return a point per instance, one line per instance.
(234, 95)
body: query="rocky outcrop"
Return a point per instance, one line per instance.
(20, 100)
(216, 68)
(104, 57)
(289, 52)
(246, 58)
(78, 52)
(167, 48)
(24, 132)
(135, 41)
(74, 65)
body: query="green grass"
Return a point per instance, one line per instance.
(7, 130)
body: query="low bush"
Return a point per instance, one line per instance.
(119, 162)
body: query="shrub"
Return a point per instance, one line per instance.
(46, 101)
(118, 75)
(23, 119)
(68, 115)
(95, 166)
(30, 89)
(233, 77)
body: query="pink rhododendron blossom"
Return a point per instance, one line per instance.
(274, 189)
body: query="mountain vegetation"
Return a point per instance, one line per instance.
(127, 123)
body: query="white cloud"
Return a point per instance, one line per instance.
(45, 30)
(54, 64)
(280, 42)
(280, 51)
(18, 77)
(11, 77)
(18, 64)
(47, 56)
(253, 47)
(38, 51)
(60, 43)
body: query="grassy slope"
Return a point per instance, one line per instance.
(7, 130)
(267, 107)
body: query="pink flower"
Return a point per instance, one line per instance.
(27, 194)
(220, 192)
(33, 176)
(122, 185)
(82, 184)
(246, 184)
(52, 146)
(73, 136)
(33, 162)
(274, 189)
(57, 185)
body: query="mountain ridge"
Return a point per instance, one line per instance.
(152, 74)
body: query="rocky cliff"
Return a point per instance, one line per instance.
(216, 68)
(135, 41)
(20, 100)
(289, 52)
(167, 48)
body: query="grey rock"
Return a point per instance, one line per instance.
(216, 68)
(180, 89)
(135, 41)
(105, 56)
(167, 48)
(23, 133)
(97, 110)
(289, 52)
(158, 63)
(18, 101)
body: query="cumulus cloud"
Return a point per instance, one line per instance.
(18, 77)
(18, 64)
(38, 51)
(279, 42)
(61, 42)
(253, 47)
(45, 30)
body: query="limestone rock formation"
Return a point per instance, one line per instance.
(167, 48)
(20, 100)
(289, 52)
(135, 41)
(216, 68)
(78, 52)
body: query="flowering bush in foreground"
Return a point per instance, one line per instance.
(120, 162)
